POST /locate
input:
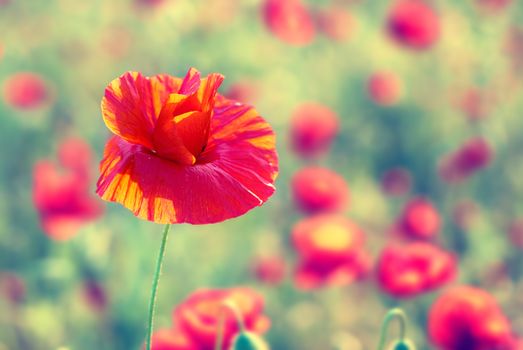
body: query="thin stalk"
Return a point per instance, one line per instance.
(392, 314)
(154, 288)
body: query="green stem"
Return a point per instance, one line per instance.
(228, 305)
(392, 314)
(154, 288)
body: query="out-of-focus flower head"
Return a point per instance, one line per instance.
(26, 91)
(420, 219)
(413, 24)
(290, 21)
(396, 182)
(269, 269)
(200, 315)
(312, 130)
(469, 318)
(62, 195)
(12, 287)
(181, 152)
(408, 270)
(384, 88)
(317, 190)
(172, 339)
(473, 156)
(336, 22)
(330, 251)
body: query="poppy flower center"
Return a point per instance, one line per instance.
(182, 129)
(331, 237)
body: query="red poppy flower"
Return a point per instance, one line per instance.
(411, 269)
(420, 219)
(384, 88)
(269, 270)
(200, 315)
(290, 21)
(468, 318)
(330, 250)
(396, 182)
(319, 190)
(414, 24)
(473, 156)
(62, 196)
(172, 339)
(26, 91)
(183, 153)
(313, 128)
(336, 23)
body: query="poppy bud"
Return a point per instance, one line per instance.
(404, 345)
(249, 341)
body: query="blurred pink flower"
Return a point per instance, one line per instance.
(420, 219)
(336, 22)
(413, 24)
(318, 190)
(313, 129)
(384, 88)
(396, 182)
(474, 155)
(290, 21)
(26, 91)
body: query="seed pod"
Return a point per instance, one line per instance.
(249, 341)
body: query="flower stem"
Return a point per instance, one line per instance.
(392, 314)
(154, 288)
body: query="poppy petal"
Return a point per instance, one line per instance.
(235, 173)
(132, 103)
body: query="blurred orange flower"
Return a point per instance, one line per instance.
(182, 152)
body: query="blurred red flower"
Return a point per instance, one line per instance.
(336, 23)
(172, 339)
(420, 219)
(200, 315)
(411, 269)
(396, 182)
(313, 128)
(183, 153)
(290, 21)
(26, 91)
(414, 24)
(473, 156)
(384, 88)
(270, 269)
(318, 190)
(469, 318)
(330, 250)
(62, 196)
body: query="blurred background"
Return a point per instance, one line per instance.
(415, 111)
